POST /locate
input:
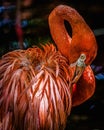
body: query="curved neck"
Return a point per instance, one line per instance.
(81, 33)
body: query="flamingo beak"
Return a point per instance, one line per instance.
(79, 68)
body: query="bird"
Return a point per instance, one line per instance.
(39, 86)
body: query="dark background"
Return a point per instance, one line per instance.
(34, 19)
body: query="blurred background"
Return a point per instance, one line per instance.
(26, 21)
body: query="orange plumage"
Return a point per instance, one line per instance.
(34, 89)
(36, 85)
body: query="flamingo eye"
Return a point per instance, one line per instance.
(81, 60)
(83, 57)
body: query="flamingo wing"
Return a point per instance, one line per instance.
(34, 89)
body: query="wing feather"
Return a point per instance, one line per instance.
(34, 89)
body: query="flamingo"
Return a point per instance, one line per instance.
(39, 86)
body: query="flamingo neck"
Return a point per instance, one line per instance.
(81, 33)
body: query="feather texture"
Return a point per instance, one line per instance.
(34, 89)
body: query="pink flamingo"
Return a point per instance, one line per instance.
(38, 87)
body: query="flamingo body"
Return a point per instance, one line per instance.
(34, 89)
